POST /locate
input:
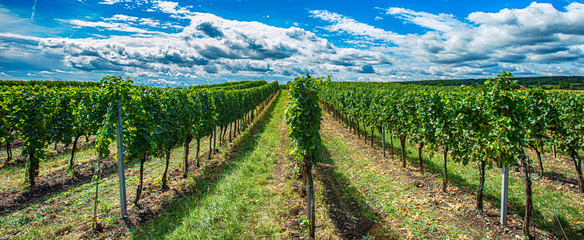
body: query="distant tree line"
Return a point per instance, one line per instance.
(549, 82)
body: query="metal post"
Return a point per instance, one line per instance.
(215, 140)
(383, 140)
(504, 194)
(121, 175)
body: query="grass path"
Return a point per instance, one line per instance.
(240, 202)
(409, 205)
(64, 208)
(252, 191)
(377, 198)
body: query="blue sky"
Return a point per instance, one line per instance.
(178, 43)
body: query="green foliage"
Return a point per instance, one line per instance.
(569, 132)
(541, 116)
(303, 114)
(507, 116)
(114, 89)
(494, 123)
(152, 117)
(33, 113)
(471, 128)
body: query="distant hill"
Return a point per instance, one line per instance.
(552, 82)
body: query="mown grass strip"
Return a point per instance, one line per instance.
(67, 213)
(236, 203)
(566, 203)
(383, 196)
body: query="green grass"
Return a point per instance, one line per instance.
(237, 202)
(548, 197)
(14, 175)
(68, 213)
(384, 193)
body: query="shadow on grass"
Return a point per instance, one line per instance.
(516, 205)
(352, 217)
(204, 184)
(18, 162)
(560, 177)
(51, 184)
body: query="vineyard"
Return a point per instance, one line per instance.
(324, 159)
(492, 127)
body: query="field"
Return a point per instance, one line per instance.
(251, 189)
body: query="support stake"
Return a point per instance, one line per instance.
(504, 195)
(383, 140)
(122, 178)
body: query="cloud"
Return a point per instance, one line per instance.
(162, 82)
(127, 21)
(112, 26)
(33, 10)
(205, 46)
(348, 25)
(122, 18)
(209, 46)
(441, 22)
(172, 8)
(112, 2)
(209, 30)
(480, 44)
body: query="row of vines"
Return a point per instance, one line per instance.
(303, 115)
(490, 126)
(155, 120)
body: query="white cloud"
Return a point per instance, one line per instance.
(122, 18)
(113, 26)
(480, 44)
(346, 24)
(172, 8)
(136, 21)
(112, 2)
(212, 47)
(162, 82)
(442, 22)
(33, 10)
(149, 22)
(209, 46)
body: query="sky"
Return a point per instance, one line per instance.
(180, 43)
